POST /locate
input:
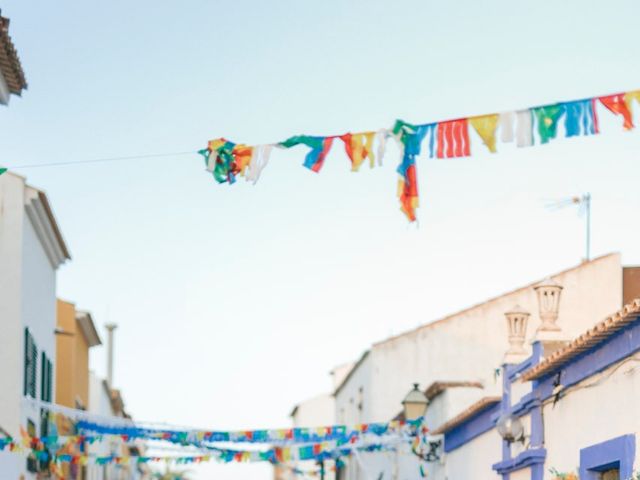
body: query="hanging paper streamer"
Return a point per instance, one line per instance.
(225, 159)
(581, 118)
(616, 104)
(320, 147)
(2, 170)
(359, 147)
(453, 139)
(547, 118)
(486, 127)
(259, 160)
(410, 139)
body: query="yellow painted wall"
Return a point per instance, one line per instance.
(72, 359)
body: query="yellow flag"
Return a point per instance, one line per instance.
(486, 126)
(630, 96)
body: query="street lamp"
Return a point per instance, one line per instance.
(510, 428)
(415, 404)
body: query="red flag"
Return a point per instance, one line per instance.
(617, 105)
(453, 139)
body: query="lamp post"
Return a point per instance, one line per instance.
(415, 404)
(510, 428)
(414, 407)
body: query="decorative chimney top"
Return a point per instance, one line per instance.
(548, 292)
(517, 319)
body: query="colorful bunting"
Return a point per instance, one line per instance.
(581, 118)
(617, 105)
(453, 139)
(2, 170)
(449, 139)
(547, 118)
(486, 126)
(359, 147)
(320, 147)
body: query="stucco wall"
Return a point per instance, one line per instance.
(357, 389)
(471, 344)
(315, 412)
(11, 333)
(474, 460)
(591, 415)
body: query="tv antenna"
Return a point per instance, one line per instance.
(584, 208)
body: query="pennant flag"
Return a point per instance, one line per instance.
(506, 126)
(547, 118)
(486, 127)
(524, 128)
(320, 147)
(225, 159)
(453, 139)
(2, 170)
(628, 99)
(410, 139)
(617, 105)
(581, 118)
(359, 147)
(381, 137)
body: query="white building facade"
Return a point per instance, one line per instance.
(459, 358)
(31, 251)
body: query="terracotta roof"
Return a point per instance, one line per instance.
(474, 409)
(436, 388)
(9, 62)
(629, 313)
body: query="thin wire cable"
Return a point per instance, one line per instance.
(100, 160)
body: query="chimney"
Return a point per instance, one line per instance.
(517, 319)
(549, 333)
(110, 328)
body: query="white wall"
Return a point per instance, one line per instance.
(474, 459)
(588, 416)
(315, 412)
(470, 345)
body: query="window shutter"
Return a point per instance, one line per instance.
(27, 355)
(34, 368)
(49, 381)
(43, 376)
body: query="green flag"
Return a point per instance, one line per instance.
(2, 170)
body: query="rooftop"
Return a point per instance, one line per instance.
(473, 410)
(598, 334)
(10, 66)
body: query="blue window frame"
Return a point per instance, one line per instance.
(619, 452)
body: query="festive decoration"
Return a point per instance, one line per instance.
(225, 159)
(616, 104)
(2, 170)
(339, 433)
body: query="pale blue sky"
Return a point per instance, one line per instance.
(235, 302)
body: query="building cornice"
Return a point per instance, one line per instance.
(44, 223)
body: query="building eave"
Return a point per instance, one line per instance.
(41, 215)
(478, 407)
(588, 340)
(10, 66)
(88, 328)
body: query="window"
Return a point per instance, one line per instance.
(30, 366)
(32, 463)
(46, 372)
(610, 460)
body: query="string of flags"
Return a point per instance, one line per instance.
(339, 433)
(226, 160)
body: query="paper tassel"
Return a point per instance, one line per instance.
(453, 139)
(225, 159)
(381, 137)
(410, 139)
(486, 126)
(617, 105)
(547, 118)
(359, 147)
(524, 128)
(581, 118)
(258, 162)
(320, 147)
